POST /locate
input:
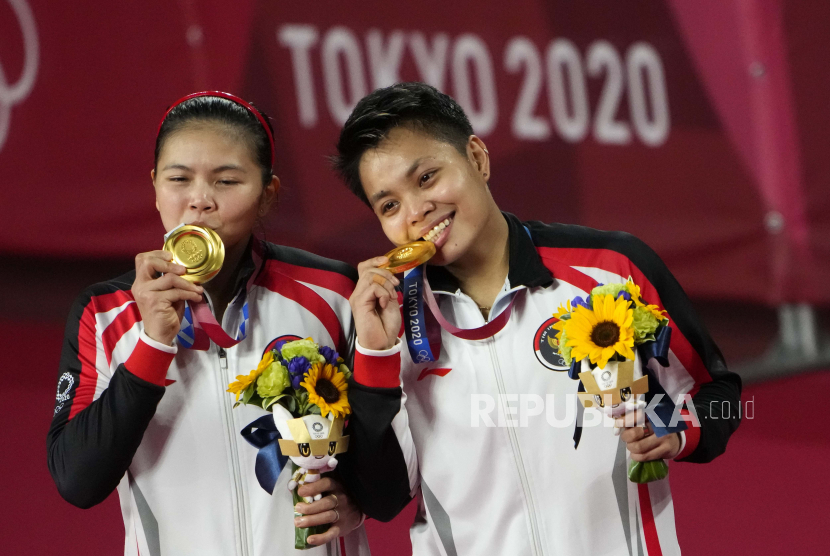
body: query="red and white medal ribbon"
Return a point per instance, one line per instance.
(200, 326)
(488, 330)
(423, 337)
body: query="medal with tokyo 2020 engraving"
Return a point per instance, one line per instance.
(201, 252)
(197, 248)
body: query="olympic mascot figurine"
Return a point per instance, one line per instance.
(617, 388)
(311, 442)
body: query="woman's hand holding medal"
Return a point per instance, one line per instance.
(160, 293)
(377, 314)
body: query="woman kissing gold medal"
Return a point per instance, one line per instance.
(197, 248)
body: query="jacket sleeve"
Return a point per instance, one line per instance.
(696, 369)
(100, 416)
(382, 469)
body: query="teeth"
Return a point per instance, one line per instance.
(436, 231)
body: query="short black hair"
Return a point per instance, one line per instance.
(416, 105)
(225, 112)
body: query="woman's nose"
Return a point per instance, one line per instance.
(419, 209)
(201, 198)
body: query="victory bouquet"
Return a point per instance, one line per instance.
(305, 387)
(608, 339)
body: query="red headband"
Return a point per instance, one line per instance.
(235, 99)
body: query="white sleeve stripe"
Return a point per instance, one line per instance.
(378, 352)
(400, 424)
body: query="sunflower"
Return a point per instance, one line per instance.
(563, 310)
(602, 332)
(561, 315)
(656, 311)
(243, 381)
(634, 291)
(327, 389)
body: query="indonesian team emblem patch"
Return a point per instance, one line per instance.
(277, 343)
(546, 347)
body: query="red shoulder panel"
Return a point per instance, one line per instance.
(290, 288)
(328, 279)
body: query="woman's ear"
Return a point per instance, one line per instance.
(269, 195)
(478, 156)
(153, 180)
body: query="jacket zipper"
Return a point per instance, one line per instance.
(517, 453)
(237, 479)
(241, 522)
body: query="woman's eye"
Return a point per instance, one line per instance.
(228, 182)
(387, 206)
(425, 178)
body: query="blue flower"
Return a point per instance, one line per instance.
(579, 301)
(330, 355)
(625, 295)
(297, 368)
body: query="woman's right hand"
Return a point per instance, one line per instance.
(377, 313)
(160, 298)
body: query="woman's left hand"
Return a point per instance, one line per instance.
(643, 444)
(335, 507)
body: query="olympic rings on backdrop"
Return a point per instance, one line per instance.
(11, 94)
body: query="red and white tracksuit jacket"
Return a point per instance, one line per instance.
(522, 487)
(156, 423)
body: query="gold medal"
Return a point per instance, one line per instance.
(197, 248)
(409, 256)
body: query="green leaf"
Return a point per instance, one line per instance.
(249, 391)
(273, 400)
(314, 409)
(301, 399)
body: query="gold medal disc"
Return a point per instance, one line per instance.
(197, 248)
(409, 256)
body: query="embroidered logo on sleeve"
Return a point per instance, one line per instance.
(63, 395)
